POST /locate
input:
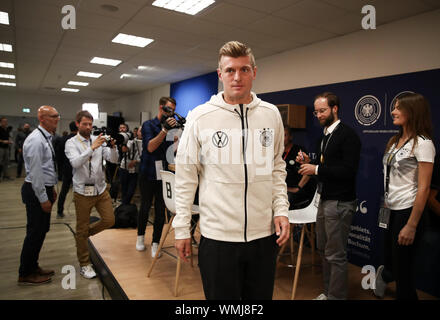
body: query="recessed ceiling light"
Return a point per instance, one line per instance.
(126, 75)
(6, 65)
(4, 17)
(7, 76)
(5, 47)
(130, 40)
(105, 61)
(191, 7)
(145, 68)
(77, 83)
(69, 89)
(9, 84)
(89, 74)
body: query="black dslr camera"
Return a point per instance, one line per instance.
(169, 113)
(121, 138)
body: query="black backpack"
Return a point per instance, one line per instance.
(126, 216)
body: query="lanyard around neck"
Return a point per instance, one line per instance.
(85, 148)
(388, 167)
(51, 149)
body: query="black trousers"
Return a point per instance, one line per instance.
(20, 162)
(150, 189)
(400, 260)
(38, 223)
(128, 185)
(238, 270)
(67, 182)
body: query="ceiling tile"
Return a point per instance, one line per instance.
(263, 5)
(226, 13)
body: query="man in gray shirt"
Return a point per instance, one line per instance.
(86, 153)
(38, 194)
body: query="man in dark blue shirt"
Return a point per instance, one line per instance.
(153, 159)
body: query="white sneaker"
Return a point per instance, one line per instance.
(379, 285)
(87, 272)
(140, 246)
(321, 297)
(154, 248)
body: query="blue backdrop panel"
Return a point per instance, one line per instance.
(195, 91)
(366, 107)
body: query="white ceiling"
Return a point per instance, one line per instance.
(47, 57)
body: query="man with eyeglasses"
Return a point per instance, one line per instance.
(336, 168)
(38, 194)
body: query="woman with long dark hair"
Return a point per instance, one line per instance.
(408, 164)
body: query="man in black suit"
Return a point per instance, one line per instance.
(65, 168)
(336, 168)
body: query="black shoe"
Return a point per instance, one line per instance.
(60, 215)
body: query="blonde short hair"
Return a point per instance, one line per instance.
(235, 49)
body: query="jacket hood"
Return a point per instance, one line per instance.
(217, 100)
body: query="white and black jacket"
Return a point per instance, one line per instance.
(234, 154)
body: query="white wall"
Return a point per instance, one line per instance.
(147, 101)
(403, 46)
(12, 103)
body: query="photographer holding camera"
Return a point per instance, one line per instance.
(129, 169)
(154, 147)
(86, 153)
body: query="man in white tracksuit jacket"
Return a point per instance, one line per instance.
(232, 149)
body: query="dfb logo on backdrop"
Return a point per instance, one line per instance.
(367, 110)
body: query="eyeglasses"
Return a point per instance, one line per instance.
(323, 110)
(54, 116)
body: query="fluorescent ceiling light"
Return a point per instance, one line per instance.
(130, 40)
(6, 65)
(5, 47)
(7, 76)
(70, 89)
(105, 61)
(77, 83)
(126, 75)
(191, 7)
(4, 17)
(26, 110)
(10, 84)
(89, 74)
(145, 68)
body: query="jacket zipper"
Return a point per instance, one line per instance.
(244, 142)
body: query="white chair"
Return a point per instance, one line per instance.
(168, 182)
(302, 217)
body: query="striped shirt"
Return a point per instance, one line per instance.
(39, 161)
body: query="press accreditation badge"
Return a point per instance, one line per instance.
(89, 190)
(384, 217)
(159, 167)
(318, 194)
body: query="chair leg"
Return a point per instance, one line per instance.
(166, 216)
(283, 247)
(291, 244)
(162, 241)
(312, 231)
(176, 284)
(298, 263)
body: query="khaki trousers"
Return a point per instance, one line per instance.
(83, 207)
